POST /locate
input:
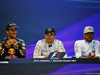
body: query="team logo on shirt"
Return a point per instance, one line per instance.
(0, 47)
(23, 44)
(23, 48)
(11, 51)
(44, 50)
(54, 46)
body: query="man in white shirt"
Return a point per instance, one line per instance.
(87, 48)
(45, 46)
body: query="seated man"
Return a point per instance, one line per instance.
(45, 46)
(87, 48)
(12, 47)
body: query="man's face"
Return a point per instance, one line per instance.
(88, 36)
(12, 32)
(49, 38)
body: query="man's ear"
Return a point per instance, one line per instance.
(55, 36)
(7, 31)
(84, 35)
(44, 35)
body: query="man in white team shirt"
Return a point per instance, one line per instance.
(45, 46)
(87, 48)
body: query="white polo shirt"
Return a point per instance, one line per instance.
(83, 48)
(42, 48)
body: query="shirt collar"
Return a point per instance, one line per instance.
(88, 43)
(49, 44)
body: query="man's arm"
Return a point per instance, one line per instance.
(37, 50)
(62, 49)
(97, 52)
(3, 50)
(90, 56)
(77, 48)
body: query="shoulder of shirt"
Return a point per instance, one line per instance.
(6, 39)
(56, 40)
(95, 41)
(79, 41)
(3, 39)
(20, 40)
(41, 41)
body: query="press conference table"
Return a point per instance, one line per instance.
(31, 66)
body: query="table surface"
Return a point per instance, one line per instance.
(32, 66)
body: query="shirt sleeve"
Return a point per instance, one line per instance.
(3, 50)
(97, 53)
(37, 50)
(77, 48)
(62, 49)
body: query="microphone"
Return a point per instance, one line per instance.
(93, 52)
(50, 45)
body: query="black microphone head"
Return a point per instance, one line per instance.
(50, 45)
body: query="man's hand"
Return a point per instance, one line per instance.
(9, 42)
(45, 56)
(89, 56)
(92, 56)
(15, 42)
(12, 42)
(97, 57)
